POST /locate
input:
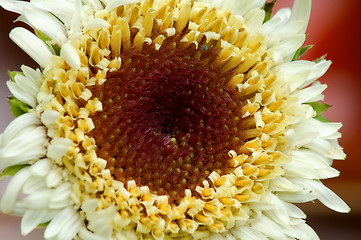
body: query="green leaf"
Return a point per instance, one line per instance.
(320, 59)
(301, 51)
(42, 225)
(320, 108)
(12, 170)
(17, 107)
(46, 40)
(268, 8)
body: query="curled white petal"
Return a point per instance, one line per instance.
(32, 45)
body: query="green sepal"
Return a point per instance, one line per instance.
(12, 170)
(320, 108)
(320, 59)
(268, 8)
(46, 40)
(12, 74)
(17, 107)
(301, 51)
(43, 225)
(321, 118)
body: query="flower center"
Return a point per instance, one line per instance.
(168, 120)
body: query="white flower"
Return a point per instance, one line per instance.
(157, 119)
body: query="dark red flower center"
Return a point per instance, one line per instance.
(168, 119)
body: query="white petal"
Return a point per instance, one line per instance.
(41, 168)
(301, 11)
(46, 23)
(19, 209)
(95, 4)
(34, 75)
(60, 196)
(49, 118)
(26, 147)
(9, 197)
(70, 55)
(116, 3)
(62, 9)
(317, 71)
(241, 7)
(38, 200)
(54, 177)
(14, 6)
(25, 121)
(247, 233)
(32, 218)
(327, 148)
(59, 222)
(268, 227)
(32, 45)
(58, 147)
(254, 18)
(311, 94)
(34, 184)
(20, 94)
(283, 184)
(305, 232)
(100, 222)
(294, 211)
(96, 23)
(75, 20)
(297, 197)
(85, 234)
(280, 209)
(26, 85)
(327, 197)
(71, 228)
(289, 46)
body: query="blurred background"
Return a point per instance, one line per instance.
(334, 29)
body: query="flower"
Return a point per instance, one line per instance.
(166, 119)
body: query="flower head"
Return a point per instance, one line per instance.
(166, 119)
